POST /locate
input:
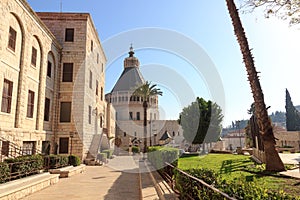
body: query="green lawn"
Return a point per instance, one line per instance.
(230, 167)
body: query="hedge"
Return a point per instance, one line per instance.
(159, 155)
(108, 152)
(4, 172)
(25, 165)
(57, 161)
(74, 160)
(135, 149)
(239, 188)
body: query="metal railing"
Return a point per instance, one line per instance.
(191, 181)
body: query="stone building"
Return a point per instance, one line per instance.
(52, 81)
(130, 111)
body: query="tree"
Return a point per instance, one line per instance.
(285, 9)
(292, 114)
(201, 121)
(273, 161)
(146, 91)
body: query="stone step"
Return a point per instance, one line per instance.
(22, 187)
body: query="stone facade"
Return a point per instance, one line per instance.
(56, 69)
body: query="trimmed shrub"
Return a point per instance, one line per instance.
(74, 160)
(102, 157)
(4, 172)
(159, 155)
(239, 188)
(135, 149)
(108, 152)
(25, 165)
(57, 161)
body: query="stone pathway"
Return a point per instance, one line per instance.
(114, 181)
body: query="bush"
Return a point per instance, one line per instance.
(108, 152)
(74, 160)
(25, 165)
(102, 157)
(239, 188)
(4, 172)
(135, 149)
(159, 155)
(57, 161)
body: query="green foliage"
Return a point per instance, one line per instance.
(135, 149)
(201, 121)
(4, 172)
(159, 155)
(74, 160)
(57, 161)
(102, 157)
(25, 165)
(235, 175)
(292, 114)
(109, 153)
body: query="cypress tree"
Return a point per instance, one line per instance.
(292, 114)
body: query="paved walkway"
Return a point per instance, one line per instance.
(117, 180)
(291, 158)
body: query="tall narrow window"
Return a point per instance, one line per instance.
(67, 72)
(91, 79)
(101, 121)
(90, 114)
(97, 58)
(130, 116)
(33, 56)
(92, 45)
(6, 96)
(12, 37)
(49, 69)
(65, 112)
(101, 94)
(30, 104)
(97, 85)
(69, 36)
(47, 109)
(63, 145)
(138, 116)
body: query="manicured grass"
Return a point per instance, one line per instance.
(231, 167)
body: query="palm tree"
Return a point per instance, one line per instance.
(273, 161)
(146, 91)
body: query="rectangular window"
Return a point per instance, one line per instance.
(49, 68)
(30, 104)
(97, 58)
(67, 72)
(90, 114)
(12, 37)
(5, 148)
(33, 56)
(130, 116)
(63, 145)
(6, 96)
(91, 79)
(101, 94)
(138, 116)
(92, 45)
(97, 85)
(69, 36)
(101, 122)
(65, 112)
(47, 109)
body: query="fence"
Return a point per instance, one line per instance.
(191, 181)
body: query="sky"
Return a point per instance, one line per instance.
(189, 50)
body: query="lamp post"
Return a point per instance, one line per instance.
(71, 137)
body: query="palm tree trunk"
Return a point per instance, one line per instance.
(273, 161)
(145, 106)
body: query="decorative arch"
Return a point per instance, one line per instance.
(21, 72)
